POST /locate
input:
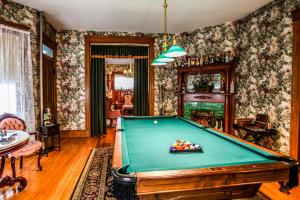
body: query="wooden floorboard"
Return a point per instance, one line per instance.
(61, 171)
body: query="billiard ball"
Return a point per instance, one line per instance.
(155, 122)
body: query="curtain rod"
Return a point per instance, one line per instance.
(13, 29)
(120, 44)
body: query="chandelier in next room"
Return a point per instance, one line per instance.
(128, 72)
(175, 50)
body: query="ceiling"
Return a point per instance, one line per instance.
(142, 15)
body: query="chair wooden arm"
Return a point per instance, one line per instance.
(35, 133)
(242, 122)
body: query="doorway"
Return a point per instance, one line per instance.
(90, 41)
(49, 75)
(119, 80)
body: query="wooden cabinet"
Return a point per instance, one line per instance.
(50, 131)
(226, 97)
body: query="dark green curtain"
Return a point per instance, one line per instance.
(141, 100)
(98, 55)
(98, 122)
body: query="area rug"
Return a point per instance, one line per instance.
(95, 182)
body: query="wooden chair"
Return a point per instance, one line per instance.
(11, 122)
(257, 128)
(111, 115)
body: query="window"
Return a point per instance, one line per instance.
(16, 85)
(8, 102)
(123, 83)
(47, 51)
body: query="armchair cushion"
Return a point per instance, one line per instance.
(29, 149)
(12, 124)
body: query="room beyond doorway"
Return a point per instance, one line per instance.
(119, 83)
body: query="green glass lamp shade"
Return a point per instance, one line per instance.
(175, 51)
(156, 63)
(163, 58)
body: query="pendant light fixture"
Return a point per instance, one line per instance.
(175, 50)
(128, 72)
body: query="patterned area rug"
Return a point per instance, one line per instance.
(95, 182)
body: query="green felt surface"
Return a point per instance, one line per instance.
(145, 146)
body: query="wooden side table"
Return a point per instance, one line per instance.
(50, 131)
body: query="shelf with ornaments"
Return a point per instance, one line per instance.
(205, 61)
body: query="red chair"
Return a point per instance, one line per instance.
(11, 122)
(111, 115)
(127, 107)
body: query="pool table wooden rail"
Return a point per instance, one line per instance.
(209, 183)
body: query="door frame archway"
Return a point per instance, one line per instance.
(91, 39)
(295, 107)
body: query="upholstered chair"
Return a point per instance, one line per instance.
(128, 100)
(111, 115)
(11, 122)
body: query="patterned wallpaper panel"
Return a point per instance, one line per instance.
(71, 76)
(264, 41)
(20, 14)
(203, 41)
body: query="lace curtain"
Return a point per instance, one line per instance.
(16, 85)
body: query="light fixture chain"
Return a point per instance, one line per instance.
(165, 9)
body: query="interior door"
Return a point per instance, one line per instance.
(49, 77)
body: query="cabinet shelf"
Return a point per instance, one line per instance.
(210, 93)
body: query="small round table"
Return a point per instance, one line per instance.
(19, 140)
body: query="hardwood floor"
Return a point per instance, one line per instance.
(61, 171)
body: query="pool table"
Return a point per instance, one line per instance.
(227, 168)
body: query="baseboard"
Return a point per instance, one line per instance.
(73, 133)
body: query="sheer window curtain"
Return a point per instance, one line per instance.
(16, 84)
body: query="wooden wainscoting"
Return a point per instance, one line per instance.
(74, 133)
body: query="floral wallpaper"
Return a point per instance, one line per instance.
(71, 76)
(265, 67)
(20, 14)
(202, 41)
(262, 41)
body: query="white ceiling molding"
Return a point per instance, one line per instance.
(144, 16)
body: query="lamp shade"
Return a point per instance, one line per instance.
(163, 58)
(175, 51)
(156, 63)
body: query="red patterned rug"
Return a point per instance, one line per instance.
(95, 182)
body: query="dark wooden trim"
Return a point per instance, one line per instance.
(295, 107)
(52, 44)
(14, 25)
(89, 39)
(73, 133)
(296, 14)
